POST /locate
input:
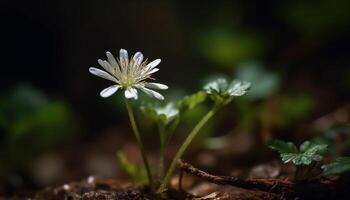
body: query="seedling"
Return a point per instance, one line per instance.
(221, 92)
(306, 159)
(131, 76)
(167, 118)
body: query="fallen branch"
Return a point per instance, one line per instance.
(325, 188)
(267, 185)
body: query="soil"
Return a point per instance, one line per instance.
(210, 187)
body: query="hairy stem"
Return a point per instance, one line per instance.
(184, 146)
(139, 141)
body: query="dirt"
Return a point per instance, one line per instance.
(109, 189)
(195, 184)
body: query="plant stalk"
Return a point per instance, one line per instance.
(139, 141)
(162, 150)
(184, 146)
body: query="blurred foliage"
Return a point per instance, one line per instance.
(317, 17)
(337, 138)
(339, 166)
(32, 124)
(226, 47)
(293, 108)
(135, 173)
(265, 83)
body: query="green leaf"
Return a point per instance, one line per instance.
(238, 88)
(223, 92)
(191, 101)
(161, 114)
(283, 147)
(339, 166)
(217, 86)
(308, 152)
(134, 172)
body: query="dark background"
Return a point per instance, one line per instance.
(48, 46)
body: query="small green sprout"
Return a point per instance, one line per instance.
(340, 166)
(167, 118)
(223, 92)
(163, 115)
(306, 158)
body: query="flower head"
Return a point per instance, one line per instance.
(129, 75)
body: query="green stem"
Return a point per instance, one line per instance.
(139, 141)
(162, 150)
(184, 146)
(171, 130)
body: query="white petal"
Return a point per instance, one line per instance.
(154, 70)
(123, 57)
(153, 64)
(102, 74)
(111, 59)
(131, 93)
(152, 93)
(106, 66)
(138, 57)
(109, 91)
(158, 86)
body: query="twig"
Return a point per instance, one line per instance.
(267, 185)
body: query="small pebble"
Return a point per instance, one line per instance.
(91, 180)
(66, 187)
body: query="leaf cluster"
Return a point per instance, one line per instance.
(222, 92)
(307, 153)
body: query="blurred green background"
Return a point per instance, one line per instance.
(55, 127)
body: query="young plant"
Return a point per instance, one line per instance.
(167, 118)
(306, 159)
(130, 75)
(221, 92)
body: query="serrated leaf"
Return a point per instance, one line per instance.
(238, 88)
(217, 86)
(313, 149)
(161, 114)
(308, 152)
(221, 91)
(191, 101)
(339, 166)
(283, 147)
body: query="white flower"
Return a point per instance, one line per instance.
(129, 75)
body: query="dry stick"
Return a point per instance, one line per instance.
(267, 185)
